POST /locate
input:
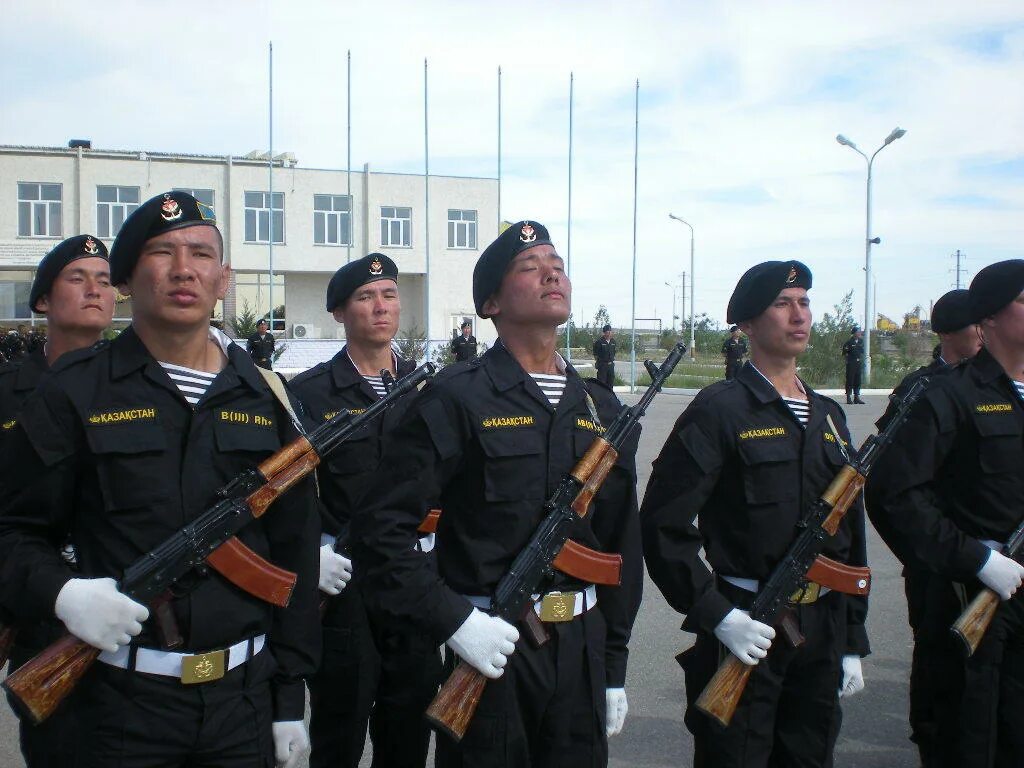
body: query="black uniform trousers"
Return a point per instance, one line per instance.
(853, 374)
(54, 742)
(936, 672)
(606, 373)
(732, 367)
(992, 705)
(370, 674)
(789, 714)
(546, 711)
(135, 720)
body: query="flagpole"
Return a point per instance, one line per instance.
(426, 214)
(568, 245)
(499, 147)
(348, 156)
(270, 183)
(636, 155)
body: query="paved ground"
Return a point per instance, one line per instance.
(874, 733)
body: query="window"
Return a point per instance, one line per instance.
(252, 293)
(258, 211)
(39, 210)
(204, 196)
(461, 229)
(332, 219)
(15, 286)
(395, 227)
(113, 204)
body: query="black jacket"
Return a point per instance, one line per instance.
(739, 464)
(324, 390)
(604, 351)
(108, 450)
(261, 348)
(953, 476)
(484, 440)
(464, 348)
(853, 350)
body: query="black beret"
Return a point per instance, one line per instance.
(606, 328)
(72, 249)
(994, 287)
(166, 211)
(952, 311)
(854, 328)
(734, 328)
(368, 269)
(761, 284)
(466, 324)
(490, 267)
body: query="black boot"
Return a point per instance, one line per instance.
(856, 398)
(848, 400)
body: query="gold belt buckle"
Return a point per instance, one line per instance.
(807, 594)
(203, 667)
(558, 606)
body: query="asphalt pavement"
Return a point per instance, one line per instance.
(874, 733)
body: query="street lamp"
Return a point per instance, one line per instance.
(868, 242)
(693, 279)
(673, 287)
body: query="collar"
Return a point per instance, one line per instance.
(506, 373)
(344, 373)
(986, 368)
(31, 370)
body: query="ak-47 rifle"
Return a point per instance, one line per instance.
(971, 625)
(43, 682)
(550, 548)
(803, 562)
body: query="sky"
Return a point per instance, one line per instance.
(739, 107)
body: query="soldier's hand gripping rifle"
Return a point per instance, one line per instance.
(971, 625)
(803, 563)
(550, 548)
(209, 540)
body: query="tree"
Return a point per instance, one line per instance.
(412, 343)
(822, 364)
(243, 324)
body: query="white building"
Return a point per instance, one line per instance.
(50, 193)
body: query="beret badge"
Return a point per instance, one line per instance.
(170, 210)
(791, 277)
(90, 247)
(376, 268)
(527, 234)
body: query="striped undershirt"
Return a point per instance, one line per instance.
(1020, 388)
(191, 383)
(377, 383)
(551, 385)
(800, 408)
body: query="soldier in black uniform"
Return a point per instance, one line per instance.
(72, 288)
(950, 490)
(464, 345)
(491, 439)
(933, 603)
(745, 460)
(121, 446)
(370, 673)
(604, 357)
(734, 349)
(261, 346)
(853, 351)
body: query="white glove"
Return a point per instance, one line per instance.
(615, 710)
(485, 642)
(95, 612)
(749, 640)
(335, 570)
(1001, 574)
(290, 742)
(853, 677)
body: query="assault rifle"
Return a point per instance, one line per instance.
(978, 614)
(209, 540)
(803, 563)
(550, 548)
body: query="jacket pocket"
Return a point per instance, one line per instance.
(513, 470)
(769, 475)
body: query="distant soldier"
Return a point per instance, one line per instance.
(734, 349)
(72, 288)
(261, 346)
(604, 357)
(464, 345)
(853, 351)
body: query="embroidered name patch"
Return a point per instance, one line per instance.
(754, 434)
(120, 417)
(993, 407)
(9, 424)
(331, 414)
(507, 421)
(588, 425)
(832, 438)
(240, 417)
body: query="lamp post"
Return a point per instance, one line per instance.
(692, 280)
(673, 287)
(868, 242)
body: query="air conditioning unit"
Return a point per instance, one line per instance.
(303, 331)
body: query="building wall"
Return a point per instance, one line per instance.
(306, 267)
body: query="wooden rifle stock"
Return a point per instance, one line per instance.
(39, 686)
(721, 695)
(456, 702)
(971, 625)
